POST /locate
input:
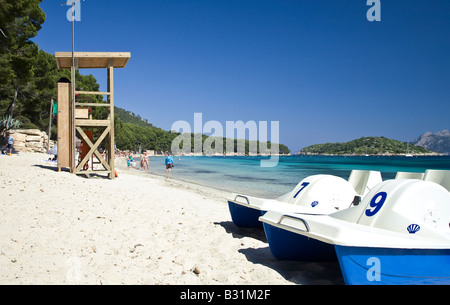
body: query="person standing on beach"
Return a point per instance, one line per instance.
(10, 144)
(144, 161)
(129, 160)
(169, 164)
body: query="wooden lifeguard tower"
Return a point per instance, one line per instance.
(75, 119)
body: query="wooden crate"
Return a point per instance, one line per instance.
(82, 113)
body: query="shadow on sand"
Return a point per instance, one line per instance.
(54, 168)
(51, 167)
(306, 273)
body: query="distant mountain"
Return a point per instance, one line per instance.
(439, 141)
(367, 145)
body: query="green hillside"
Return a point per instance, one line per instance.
(134, 132)
(129, 117)
(365, 145)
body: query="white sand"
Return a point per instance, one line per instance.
(58, 228)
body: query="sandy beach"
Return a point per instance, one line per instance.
(58, 228)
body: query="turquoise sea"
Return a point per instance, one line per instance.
(245, 175)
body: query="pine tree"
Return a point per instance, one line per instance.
(20, 20)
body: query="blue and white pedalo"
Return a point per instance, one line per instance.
(398, 234)
(318, 195)
(321, 194)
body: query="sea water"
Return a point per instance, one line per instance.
(245, 174)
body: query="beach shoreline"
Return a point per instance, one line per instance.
(157, 171)
(59, 228)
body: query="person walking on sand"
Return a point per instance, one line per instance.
(10, 144)
(169, 164)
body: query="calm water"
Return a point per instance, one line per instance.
(244, 174)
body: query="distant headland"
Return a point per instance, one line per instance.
(368, 146)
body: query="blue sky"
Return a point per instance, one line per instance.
(319, 67)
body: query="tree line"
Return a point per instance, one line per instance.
(134, 133)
